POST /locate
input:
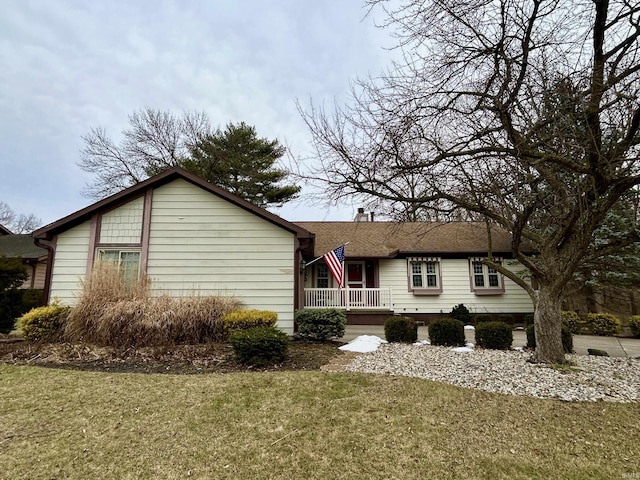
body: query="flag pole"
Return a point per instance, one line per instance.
(322, 256)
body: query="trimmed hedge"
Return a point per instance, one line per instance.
(494, 335)
(43, 324)
(244, 319)
(447, 332)
(572, 321)
(400, 329)
(320, 324)
(567, 338)
(460, 312)
(260, 346)
(634, 324)
(604, 324)
(482, 318)
(506, 318)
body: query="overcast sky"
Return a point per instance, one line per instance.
(67, 66)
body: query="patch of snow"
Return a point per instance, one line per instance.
(462, 349)
(470, 345)
(421, 343)
(469, 327)
(363, 344)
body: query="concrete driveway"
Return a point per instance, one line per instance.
(614, 346)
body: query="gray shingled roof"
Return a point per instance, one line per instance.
(388, 239)
(20, 246)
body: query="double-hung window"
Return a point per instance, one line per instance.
(424, 276)
(322, 275)
(485, 280)
(128, 261)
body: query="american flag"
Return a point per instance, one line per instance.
(335, 261)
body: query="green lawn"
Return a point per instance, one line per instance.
(298, 425)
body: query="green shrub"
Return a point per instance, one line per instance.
(494, 335)
(43, 324)
(9, 309)
(447, 332)
(572, 321)
(259, 346)
(506, 318)
(400, 329)
(482, 318)
(32, 298)
(531, 336)
(460, 312)
(244, 319)
(634, 324)
(14, 303)
(320, 324)
(528, 319)
(567, 338)
(13, 273)
(604, 324)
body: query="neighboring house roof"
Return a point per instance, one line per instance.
(20, 246)
(49, 231)
(389, 239)
(4, 230)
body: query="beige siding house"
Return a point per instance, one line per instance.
(190, 238)
(193, 238)
(417, 269)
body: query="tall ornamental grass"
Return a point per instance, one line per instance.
(112, 311)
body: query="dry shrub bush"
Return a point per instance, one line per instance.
(113, 312)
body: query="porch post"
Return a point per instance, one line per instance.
(347, 302)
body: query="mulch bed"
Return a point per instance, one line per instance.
(176, 359)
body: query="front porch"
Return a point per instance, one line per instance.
(349, 298)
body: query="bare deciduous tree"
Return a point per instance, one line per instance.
(524, 113)
(235, 158)
(17, 223)
(155, 141)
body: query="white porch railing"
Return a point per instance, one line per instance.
(348, 298)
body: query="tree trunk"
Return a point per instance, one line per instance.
(548, 325)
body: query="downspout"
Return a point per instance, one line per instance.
(47, 277)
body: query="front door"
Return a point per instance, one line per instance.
(355, 280)
(355, 274)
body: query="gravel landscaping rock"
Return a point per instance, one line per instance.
(588, 379)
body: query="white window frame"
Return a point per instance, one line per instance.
(426, 269)
(478, 270)
(328, 277)
(102, 250)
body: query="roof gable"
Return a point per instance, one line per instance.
(389, 239)
(4, 230)
(48, 231)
